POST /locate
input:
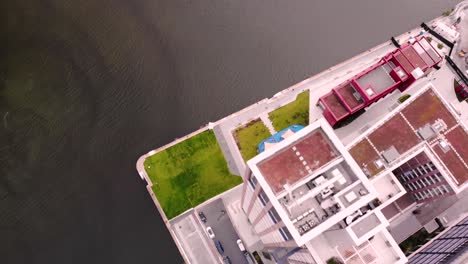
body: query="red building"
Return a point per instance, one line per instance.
(397, 70)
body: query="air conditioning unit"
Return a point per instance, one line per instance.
(444, 146)
(378, 163)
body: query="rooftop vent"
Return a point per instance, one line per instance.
(439, 125)
(390, 154)
(426, 132)
(357, 96)
(378, 163)
(370, 92)
(444, 145)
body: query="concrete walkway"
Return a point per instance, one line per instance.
(267, 122)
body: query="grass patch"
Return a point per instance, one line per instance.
(418, 239)
(249, 136)
(404, 98)
(296, 112)
(447, 12)
(189, 173)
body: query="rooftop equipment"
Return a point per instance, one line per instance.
(426, 132)
(390, 154)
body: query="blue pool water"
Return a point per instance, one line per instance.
(278, 136)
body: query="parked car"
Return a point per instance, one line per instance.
(226, 260)
(210, 232)
(202, 217)
(219, 247)
(241, 245)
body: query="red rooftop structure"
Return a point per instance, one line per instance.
(397, 70)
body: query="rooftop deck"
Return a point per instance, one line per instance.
(297, 160)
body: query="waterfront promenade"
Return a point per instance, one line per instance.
(317, 86)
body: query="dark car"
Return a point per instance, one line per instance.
(202, 217)
(226, 260)
(219, 247)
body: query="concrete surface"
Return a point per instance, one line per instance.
(194, 240)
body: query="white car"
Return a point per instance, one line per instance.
(241, 245)
(210, 232)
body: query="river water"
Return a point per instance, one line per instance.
(88, 86)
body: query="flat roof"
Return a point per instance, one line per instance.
(379, 78)
(366, 156)
(334, 104)
(453, 164)
(348, 93)
(407, 66)
(297, 160)
(376, 81)
(414, 57)
(400, 131)
(426, 109)
(395, 132)
(397, 206)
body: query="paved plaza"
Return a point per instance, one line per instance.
(195, 242)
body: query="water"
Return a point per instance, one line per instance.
(88, 86)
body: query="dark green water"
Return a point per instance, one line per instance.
(88, 86)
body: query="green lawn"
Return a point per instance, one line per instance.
(249, 136)
(189, 173)
(296, 112)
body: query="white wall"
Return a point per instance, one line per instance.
(248, 197)
(256, 209)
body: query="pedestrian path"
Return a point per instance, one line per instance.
(267, 122)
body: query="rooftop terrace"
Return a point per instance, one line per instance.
(297, 160)
(393, 71)
(401, 132)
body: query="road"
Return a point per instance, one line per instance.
(219, 221)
